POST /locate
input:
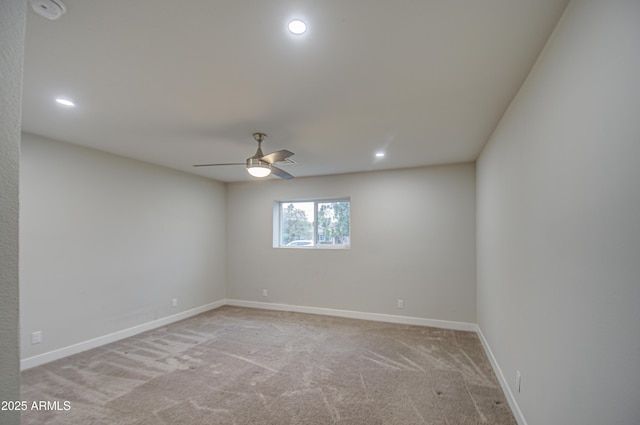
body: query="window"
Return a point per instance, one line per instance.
(324, 223)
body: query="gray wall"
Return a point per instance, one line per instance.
(558, 189)
(413, 238)
(12, 25)
(106, 243)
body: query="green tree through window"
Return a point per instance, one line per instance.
(321, 223)
(295, 225)
(333, 223)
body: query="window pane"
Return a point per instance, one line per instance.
(296, 224)
(334, 223)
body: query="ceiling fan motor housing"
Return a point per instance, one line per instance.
(255, 162)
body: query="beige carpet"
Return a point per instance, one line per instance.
(246, 366)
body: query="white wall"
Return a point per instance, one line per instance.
(12, 25)
(558, 189)
(106, 243)
(412, 238)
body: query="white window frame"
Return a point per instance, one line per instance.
(277, 215)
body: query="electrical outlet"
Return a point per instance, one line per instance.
(265, 293)
(518, 380)
(174, 302)
(400, 303)
(36, 337)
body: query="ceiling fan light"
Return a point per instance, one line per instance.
(259, 171)
(258, 168)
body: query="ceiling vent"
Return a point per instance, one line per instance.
(50, 9)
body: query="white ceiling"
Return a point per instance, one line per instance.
(178, 83)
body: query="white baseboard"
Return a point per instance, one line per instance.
(50, 356)
(378, 317)
(503, 382)
(115, 336)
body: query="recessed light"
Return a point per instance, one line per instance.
(297, 27)
(64, 101)
(379, 154)
(50, 9)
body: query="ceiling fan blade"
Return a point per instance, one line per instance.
(276, 156)
(215, 165)
(280, 173)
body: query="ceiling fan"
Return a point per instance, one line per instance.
(261, 165)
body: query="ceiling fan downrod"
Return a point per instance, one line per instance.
(259, 138)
